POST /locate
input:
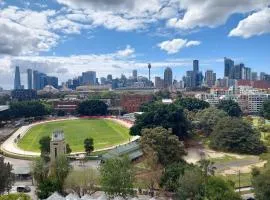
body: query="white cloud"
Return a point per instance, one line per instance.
(122, 15)
(128, 51)
(193, 43)
(175, 45)
(212, 13)
(257, 23)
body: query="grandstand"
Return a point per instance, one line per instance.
(132, 150)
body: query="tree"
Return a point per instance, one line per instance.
(92, 108)
(6, 176)
(192, 104)
(171, 175)
(68, 149)
(236, 135)
(190, 185)
(266, 109)
(89, 145)
(29, 109)
(231, 107)
(260, 183)
(50, 178)
(82, 182)
(218, 188)
(117, 177)
(44, 147)
(47, 188)
(167, 116)
(60, 170)
(154, 171)
(40, 170)
(168, 147)
(208, 118)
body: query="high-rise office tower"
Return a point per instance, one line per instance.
(168, 77)
(254, 76)
(247, 73)
(29, 78)
(239, 71)
(89, 78)
(36, 80)
(17, 79)
(135, 74)
(195, 65)
(109, 77)
(228, 68)
(262, 76)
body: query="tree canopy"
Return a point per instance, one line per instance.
(92, 108)
(167, 116)
(208, 118)
(266, 109)
(29, 109)
(236, 135)
(260, 182)
(6, 176)
(167, 146)
(231, 107)
(89, 145)
(192, 104)
(117, 177)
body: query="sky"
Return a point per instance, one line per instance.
(63, 38)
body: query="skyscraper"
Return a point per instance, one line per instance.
(254, 76)
(195, 65)
(239, 71)
(134, 74)
(89, 78)
(29, 79)
(36, 80)
(210, 78)
(228, 68)
(168, 77)
(17, 80)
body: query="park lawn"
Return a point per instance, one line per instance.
(105, 132)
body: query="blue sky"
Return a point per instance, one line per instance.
(66, 37)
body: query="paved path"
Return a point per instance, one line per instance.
(10, 146)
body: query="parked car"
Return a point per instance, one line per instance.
(24, 189)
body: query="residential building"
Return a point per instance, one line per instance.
(159, 82)
(132, 102)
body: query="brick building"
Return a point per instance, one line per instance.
(132, 102)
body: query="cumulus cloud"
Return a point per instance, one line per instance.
(175, 45)
(257, 23)
(122, 15)
(128, 51)
(212, 13)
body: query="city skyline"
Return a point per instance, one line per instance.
(62, 39)
(194, 78)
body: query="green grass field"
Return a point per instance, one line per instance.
(105, 133)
